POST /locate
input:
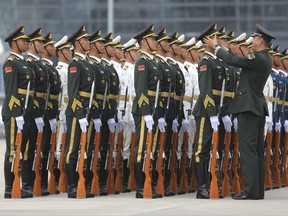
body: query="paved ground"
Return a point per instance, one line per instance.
(274, 204)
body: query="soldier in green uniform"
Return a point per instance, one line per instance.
(17, 74)
(41, 85)
(51, 114)
(102, 80)
(206, 110)
(80, 81)
(147, 75)
(250, 108)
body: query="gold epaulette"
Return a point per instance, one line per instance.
(145, 57)
(11, 58)
(30, 59)
(45, 63)
(206, 57)
(125, 67)
(76, 58)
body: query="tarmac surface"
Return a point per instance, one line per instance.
(274, 204)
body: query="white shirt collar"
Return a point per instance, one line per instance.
(48, 60)
(162, 57)
(209, 53)
(128, 64)
(81, 55)
(20, 56)
(151, 56)
(96, 58)
(63, 63)
(37, 57)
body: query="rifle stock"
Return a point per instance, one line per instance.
(277, 179)
(284, 161)
(183, 165)
(119, 164)
(268, 174)
(16, 188)
(51, 165)
(173, 164)
(131, 180)
(62, 178)
(81, 190)
(225, 167)
(147, 167)
(214, 192)
(37, 190)
(95, 181)
(110, 170)
(160, 162)
(235, 164)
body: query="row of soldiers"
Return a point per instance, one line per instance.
(102, 104)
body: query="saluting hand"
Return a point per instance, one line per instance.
(210, 41)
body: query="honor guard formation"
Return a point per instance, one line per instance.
(161, 114)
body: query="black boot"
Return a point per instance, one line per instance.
(167, 177)
(88, 178)
(71, 177)
(139, 179)
(201, 174)
(103, 175)
(44, 177)
(9, 178)
(125, 177)
(155, 195)
(27, 185)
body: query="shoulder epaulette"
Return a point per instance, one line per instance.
(125, 67)
(30, 59)
(44, 62)
(91, 61)
(206, 57)
(76, 58)
(11, 58)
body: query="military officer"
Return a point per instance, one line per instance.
(17, 75)
(41, 87)
(206, 111)
(250, 108)
(131, 54)
(80, 81)
(51, 115)
(147, 75)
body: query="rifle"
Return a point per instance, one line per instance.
(235, 165)
(81, 189)
(37, 167)
(214, 192)
(95, 189)
(160, 162)
(225, 166)
(172, 164)
(15, 168)
(119, 158)
(147, 159)
(277, 160)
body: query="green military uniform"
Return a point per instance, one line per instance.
(146, 77)
(250, 108)
(17, 74)
(101, 81)
(41, 85)
(50, 114)
(80, 79)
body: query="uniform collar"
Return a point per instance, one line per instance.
(63, 64)
(96, 58)
(128, 64)
(81, 55)
(149, 55)
(106, 60)
(48, 60)
(162, 57)
(211, 54)
(173, 60)
(275, 70)
(20, 56)
(34, 56)
(283, 73)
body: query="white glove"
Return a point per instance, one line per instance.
(132, 125)
(277, 127)
(161, 124)
(97, 124)
(286, 126)
(120, 125)
(270, 126)
(175, 125)
(214, 123)
(83, 124)
(40, 124)
(20, 122)
(227, 123)
(111, 125)
(57, 155)
(114, 154)
(53, 125)
(149, 122)
(185, 125)
(235, 123)
(63, 125)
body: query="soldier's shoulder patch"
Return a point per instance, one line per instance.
(141, 67)
(125, 67)
(76, 58)
(11, 58)
(251, 56)
(29, 59)
(203, 68)
(44, 62)
(8, 69)
(206, 57)
(73, 70)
